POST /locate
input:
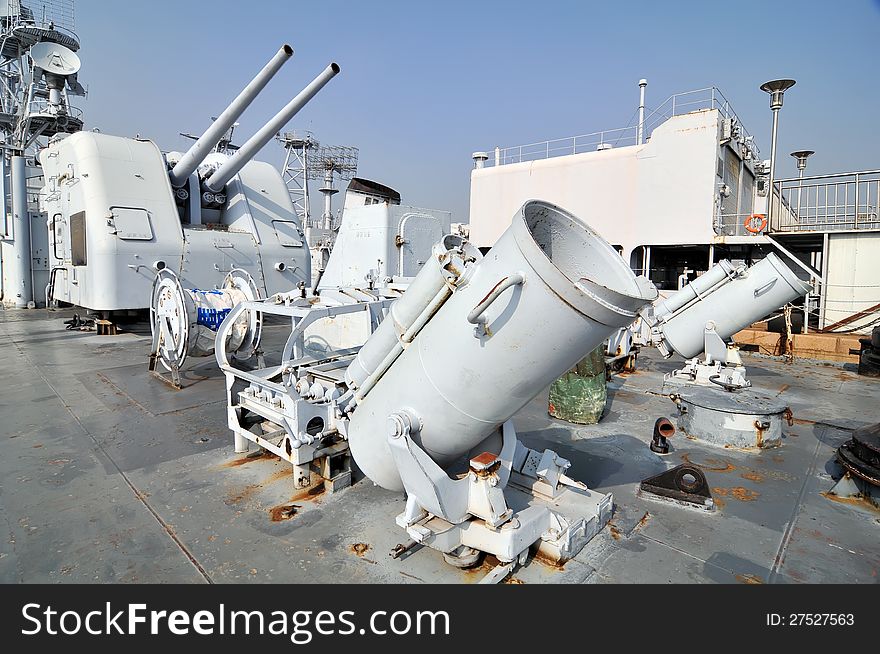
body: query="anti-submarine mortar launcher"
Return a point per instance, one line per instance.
(119, 211)
(425, 405)
(711, 391)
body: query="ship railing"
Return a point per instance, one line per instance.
(44, 14)
(819, 203)
(41, 107)
(675, 105)
(733, 224)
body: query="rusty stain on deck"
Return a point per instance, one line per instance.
(248, 491)
(748, 579)
(737, 492)
(360, 548)
(715, 465)
(250, 458)
(283, 512)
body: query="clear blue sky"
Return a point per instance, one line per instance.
(424, 84)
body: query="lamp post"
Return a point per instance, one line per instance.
(801, 156)
(641, 133)
(776, 89)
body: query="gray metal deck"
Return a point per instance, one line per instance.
(107, 475)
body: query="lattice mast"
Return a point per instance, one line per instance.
(297, 146)
(331, 161)
(38, 69)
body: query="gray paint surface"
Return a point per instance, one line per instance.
(110, 476)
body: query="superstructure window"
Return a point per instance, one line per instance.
(78, 239)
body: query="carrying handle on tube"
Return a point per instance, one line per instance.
(766, 287)
(476, 317)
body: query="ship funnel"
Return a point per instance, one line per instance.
(246, 152)
(499, 331)
(212, 136)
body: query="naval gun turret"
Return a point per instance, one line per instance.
(120, 211)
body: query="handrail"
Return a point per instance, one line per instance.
(675, 105)
(807, 178)
(833, 202)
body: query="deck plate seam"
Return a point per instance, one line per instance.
(139, 495)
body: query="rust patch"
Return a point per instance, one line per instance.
(748, 579)
(283, 512)
(615, 532)
(737, 493)
(360, 548)
(492, 291)
(715, 465)
(546, 561)
(248, 491)
(641, 523)
(485, 567)
(235, 498)
(289, 509)
(753, 476)
(818, 535)
(485, 459)
(857, 502)
(513, 581)
(310, 493)
(719, 503)
(264, 454)
(783, 388)
(794, 574)
(279, 474)
(744, 494)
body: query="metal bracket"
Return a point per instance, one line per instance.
(685, 484)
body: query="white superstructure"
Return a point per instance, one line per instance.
(685, 188)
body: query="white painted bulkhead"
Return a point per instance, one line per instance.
(687, 186)
(853, 277)
(661, 192)
(384, 242)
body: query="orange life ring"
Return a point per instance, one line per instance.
(748, 224)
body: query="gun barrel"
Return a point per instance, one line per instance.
(246, 152)
(207, 141)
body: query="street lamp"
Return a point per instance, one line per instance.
(802, 156)
(776, 88)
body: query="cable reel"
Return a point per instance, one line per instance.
(184, 322)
